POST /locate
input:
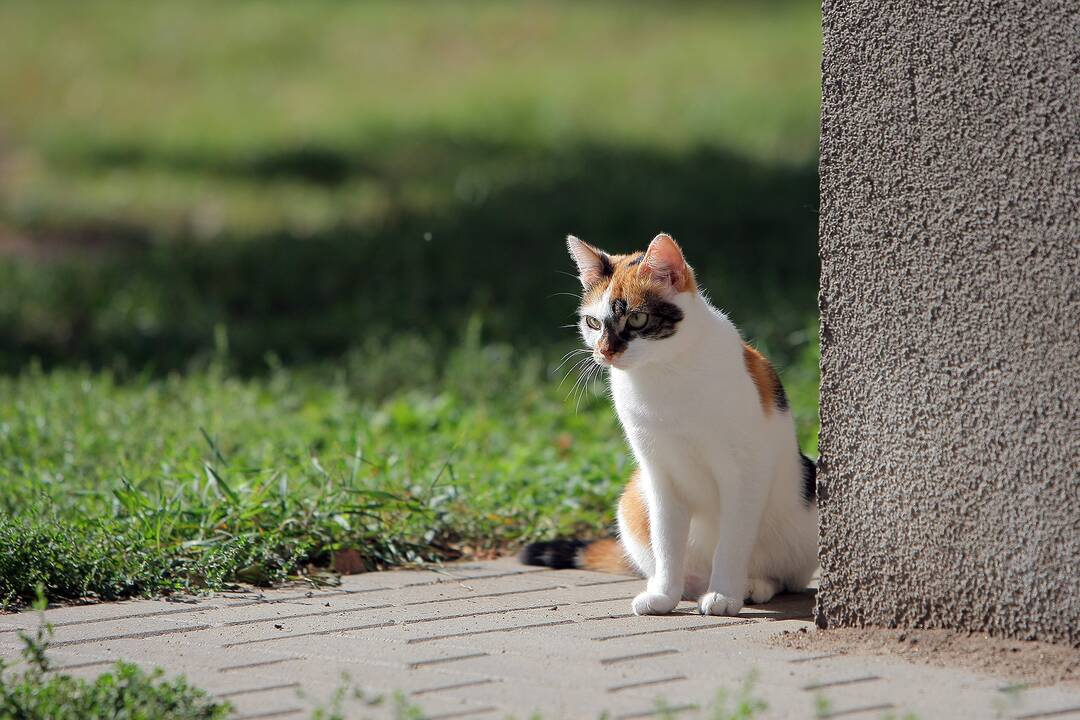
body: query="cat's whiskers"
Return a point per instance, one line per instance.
(583, 390)
(587, 382)
(576, 366)
(584, 372)
(566, 358)
(577, 362)
(580, 368)
(567, 274)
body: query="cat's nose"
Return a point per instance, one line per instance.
(608, 353)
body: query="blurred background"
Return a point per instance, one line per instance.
(305, 176)
(374, 196)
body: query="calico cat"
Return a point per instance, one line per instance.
(722, 505)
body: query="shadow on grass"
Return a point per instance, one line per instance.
(313, 163)
(497, 250)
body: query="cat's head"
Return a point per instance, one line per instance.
(631, 307)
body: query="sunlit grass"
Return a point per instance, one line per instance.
(203, 75)
(113, 488)
(166, 85)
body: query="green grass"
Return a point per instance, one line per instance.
(123, 692)
(130, 487)
(213, 83)
(202, 119)
(311, 174)
(279, 279)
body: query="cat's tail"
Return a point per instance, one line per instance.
(600, 555)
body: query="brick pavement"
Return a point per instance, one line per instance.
(497, 639)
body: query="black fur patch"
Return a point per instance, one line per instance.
(809, 479)
(664, 317)
(606, 268)
(618, 308)
(615, 341)
(779, 396)
(558, 554)
(636, 261)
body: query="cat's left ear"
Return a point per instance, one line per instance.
(664, 262)
(593, 264)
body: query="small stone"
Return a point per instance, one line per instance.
(348, 561)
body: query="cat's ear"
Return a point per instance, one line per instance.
(593, 265)
(664, 262)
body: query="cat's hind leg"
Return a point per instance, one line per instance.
(695, 586)
(633, 519)
(762, 590)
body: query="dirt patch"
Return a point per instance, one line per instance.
(1033, 663)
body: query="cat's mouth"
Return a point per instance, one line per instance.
(608, 362)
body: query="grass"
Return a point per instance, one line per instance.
(115, 488)
(280, 280)
(308, 174)
(741, 704)
(137, 88)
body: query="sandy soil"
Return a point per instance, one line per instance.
(1031, 663)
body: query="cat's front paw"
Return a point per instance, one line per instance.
(715, 603)
(649, 603)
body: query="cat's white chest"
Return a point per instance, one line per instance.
(644, 408)
(674, 406)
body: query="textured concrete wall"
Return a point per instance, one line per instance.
(950, 298)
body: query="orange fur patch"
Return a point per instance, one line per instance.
(765, 378)
(629, 283)
(609, 555)
(635, 512)
(604, 556)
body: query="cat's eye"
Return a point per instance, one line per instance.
(592, 322)
(637, 320)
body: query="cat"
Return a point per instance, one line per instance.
(722, 507)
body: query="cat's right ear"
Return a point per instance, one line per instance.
(593, 265)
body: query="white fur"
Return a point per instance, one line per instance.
(722, 481)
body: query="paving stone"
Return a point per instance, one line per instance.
(142, 627)
(494, 639)
(554, 701)
(102, 612)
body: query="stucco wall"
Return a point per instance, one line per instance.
(950, 298)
